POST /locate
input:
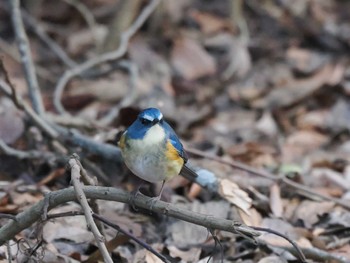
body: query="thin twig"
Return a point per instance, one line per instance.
(12, 51)
(138, 241)
(9, 90)
(8, 216)
(9, 254)
(87, 15)
(56, 49)
(26, 58)
(109, 56)
(298, 251)
(32, 154)
(80, 195)
(303, 190)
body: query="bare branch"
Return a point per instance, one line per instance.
(24, 154)
(299, 252)
(138, 241)
(30, 216)
(80, 195)
(59, 52)
(302, 189)
(26, 58)
(87, 15)
(109, 56)
(8, 88)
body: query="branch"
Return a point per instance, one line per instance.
(87, 15)
(298, 251)
(26, 58)
(80, 195)
(124, 40)
(25, 154)
(33, 214)
(8, 88)
(38, 30)
(302, 189)
(95, 256)
(129, 235)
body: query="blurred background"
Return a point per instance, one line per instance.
(266, 83)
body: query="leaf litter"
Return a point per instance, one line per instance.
(277, 101)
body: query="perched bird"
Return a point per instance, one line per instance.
(152, 150)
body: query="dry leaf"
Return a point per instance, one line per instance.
(190, 255)
(11, 123)
(191, 60)
(254, 218)
(276, 203)
(309, 211)
(232, 193)
(209, 23)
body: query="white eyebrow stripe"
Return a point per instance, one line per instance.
(151, 118)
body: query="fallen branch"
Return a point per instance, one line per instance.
(75, 168)
(302, 189)
(26, 58)
(31, 154)
(33, 214)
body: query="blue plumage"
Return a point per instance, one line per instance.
(151, 148)
(148, 118)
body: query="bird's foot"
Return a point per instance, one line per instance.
(132, 198)
(152, 201)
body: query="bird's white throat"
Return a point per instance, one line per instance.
(154, 135)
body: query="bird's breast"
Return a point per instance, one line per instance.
(152, 158)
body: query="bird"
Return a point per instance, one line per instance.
(151, 149)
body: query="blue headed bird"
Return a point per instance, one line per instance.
(152, 150)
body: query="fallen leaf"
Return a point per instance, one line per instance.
(190, 59)
(209, 23)
(309, 211)
(304, 60)
(81, 40)
(11, 122)
(190, 255)
(298, 144)
(276, 203)
(236, 196)
(110, 89)
(272, 259)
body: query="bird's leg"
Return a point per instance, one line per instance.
(133, 195)
(154, 200)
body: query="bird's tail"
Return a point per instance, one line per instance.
(188, 173)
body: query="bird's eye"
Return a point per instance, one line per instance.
(145, 121)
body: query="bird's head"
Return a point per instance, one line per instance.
(150, 119)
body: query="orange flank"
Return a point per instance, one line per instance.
(121, 142)
(176, 162)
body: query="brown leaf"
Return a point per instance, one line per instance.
(191, 60)
(190, 255)
(305, 60)
(11, 123)
(300, 143)
(232, 193)
(209, 23)
(298, 89)
(308, 211)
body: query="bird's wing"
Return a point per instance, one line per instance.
(174, 140)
